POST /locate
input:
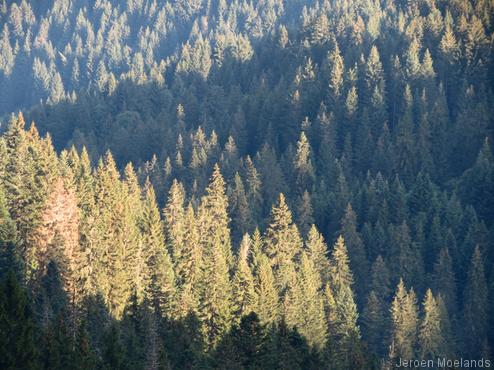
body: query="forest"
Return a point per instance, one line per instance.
(246, 184)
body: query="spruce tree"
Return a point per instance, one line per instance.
(282, 243)
(268, 307)
(158, 274)
(18, 343)
(444, 281)
(215, 309)
(317, 251)
(313, 325)
(373, 322)
(213, 218)
(244, 294)
(475, 306)
(430, 334)
(356, 248)
(404, 320)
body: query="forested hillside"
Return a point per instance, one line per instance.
(263, 184)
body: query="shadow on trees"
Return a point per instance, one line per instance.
(41, 329)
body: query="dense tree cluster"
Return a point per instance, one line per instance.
(86, 248)
(313, 183)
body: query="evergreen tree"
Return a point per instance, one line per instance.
(244, 294)
(268, 299)
(317, 251)
(475, 306)
(444, 282)
(356, 249)
(159, 276)
(214, 220)
(312, 322)
(404, 322)
(430, 331)
(373, 323)
(18, 342)
(282, 243)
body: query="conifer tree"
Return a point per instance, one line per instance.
(380, 279)
(430, 335)
(268, 299)
(340, 274)
(253, 186)
(8, 254)
(373, 320)
(174, 221)
(337, 73)
(313, 324)
(283, 243)
(475, 307)
(444, 281)
(304, 213)
(18, 342)
(356, 249)
(239, 209)
(244, 294)
(344, 333)
(304, 169)
(159, 276)
(190, 267)
(215, 308)
(214, 220)
(317, 251)
(403, 322)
